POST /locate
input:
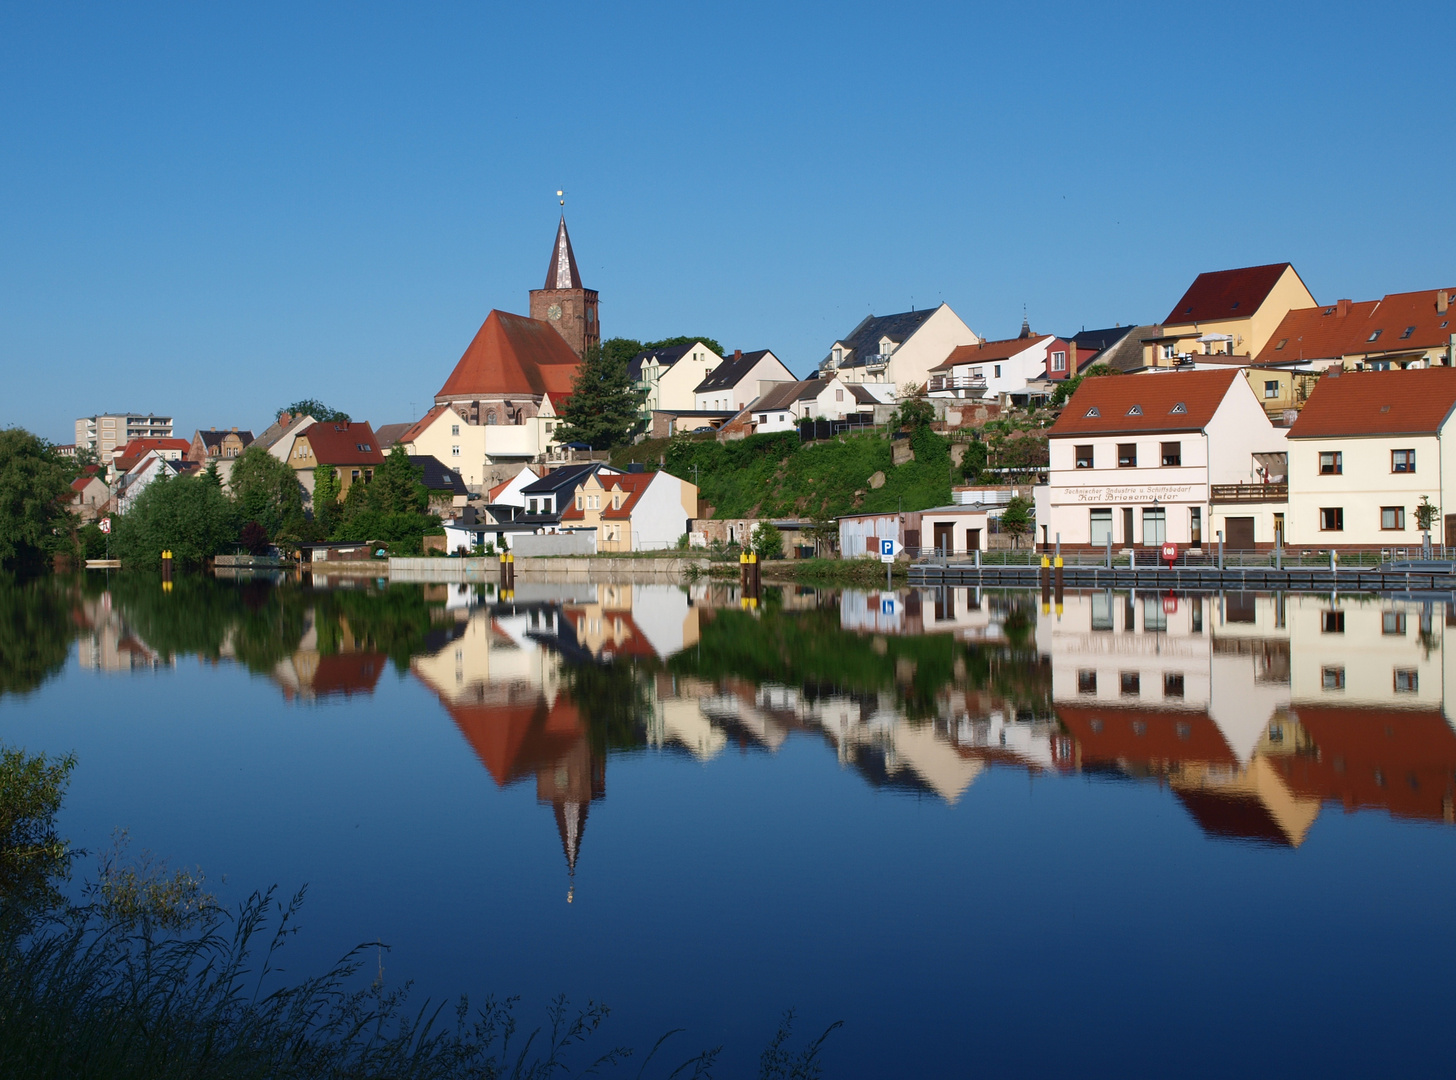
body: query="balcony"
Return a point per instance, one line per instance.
(957, 384)
(1249, 493)
(876, 361)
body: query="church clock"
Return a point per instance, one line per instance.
(554, 313)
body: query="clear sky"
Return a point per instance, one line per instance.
(212, 210)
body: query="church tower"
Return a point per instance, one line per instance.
(564, 303)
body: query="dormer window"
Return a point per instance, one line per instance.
(1177, 409)
(1136, 410)
(1093, 411)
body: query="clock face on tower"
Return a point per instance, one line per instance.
(554, 313)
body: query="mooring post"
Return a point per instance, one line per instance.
(1220, 549)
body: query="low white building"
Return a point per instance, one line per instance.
(740, 379)
(1144, 459)
(784, 405)
(991, 368)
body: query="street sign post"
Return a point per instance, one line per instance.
(888, 548)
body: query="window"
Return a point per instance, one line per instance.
(455, 451)
(1127, 455)
(997, 370)
(1409, 330)
(1086, 682)
(763, 418)
(1403, 461)
(490, 418)
(1173, 684)
(1130, 683)
(1282, 342)
(1332, 678)
(1084, 457)
(1093, 411)
(1406, 680)
(1170, 351)
(354, 474)
(1172, 453)
(550, 427)
(1101, 526)
(454, 429)
(578, 502)
(1136, 410)
(531, 506)
(1332, 622)
(1155, 528)
(1392, 517)
(1393, 623)
(1375, 336)
(1332, 518)
(1195, 526)
(1178, 409)
(839, 395)
(1331, 463)
(1059, 361)
(1271, 388)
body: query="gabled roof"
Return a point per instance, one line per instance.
(562, 273)
(1099, 340)
(438, 476)
(420, 426)
(1126, 354)
(727, 374)
(281, 427)
(1414, 402)
(1317, 333)
(1112, 399)
(1226, 294)
(992, 350)
(865, 338)
(568, 476)
(351, 443)
(388, 434)
(129, 453)
(213, 437)
(862, 394)
(512, 355)
(786, 394)
(631, 484)
(1400, 322)
(664, 357)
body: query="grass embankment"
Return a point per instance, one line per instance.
(775, 476)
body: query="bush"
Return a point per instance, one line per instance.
(767, 541)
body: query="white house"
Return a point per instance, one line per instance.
(134, 481)
(633, 511)
(785, 404)
(736, 382)
(1366, 447)
(1142, 459)
(671, 375)
(897, 349)
(511, 492)
(991, 368)
(447, 434)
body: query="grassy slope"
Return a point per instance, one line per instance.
(773, 476)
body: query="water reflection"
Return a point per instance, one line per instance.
(1253, 711)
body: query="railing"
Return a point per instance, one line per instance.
(1249, 492)
(957, 382)
(1151, 557)
(876, 361)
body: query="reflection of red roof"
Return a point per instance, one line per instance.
(1120, 733)
(512, 354)
(1239, 816)
(514, 740)
(347, 674)
(1401, 760)
(1226, 294)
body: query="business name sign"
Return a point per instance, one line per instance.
(1131, 493)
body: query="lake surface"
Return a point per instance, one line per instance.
(1127, 835)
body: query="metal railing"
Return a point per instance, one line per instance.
(956, 382)
(1272, 492)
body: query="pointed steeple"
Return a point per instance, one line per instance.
(562, 273)
(1025, 325)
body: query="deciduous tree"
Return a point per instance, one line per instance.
(315, 408)
(35, 488)
(187, 515)
(266, 490)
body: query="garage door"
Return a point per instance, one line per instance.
(1239, 533)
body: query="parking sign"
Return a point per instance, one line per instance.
(887, 549)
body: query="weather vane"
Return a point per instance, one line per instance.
(562, 196)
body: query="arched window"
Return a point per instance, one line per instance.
(490, 417)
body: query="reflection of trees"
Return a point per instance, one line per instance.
(394, 620)
(612, 700)
(35, 632)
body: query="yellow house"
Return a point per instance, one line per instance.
(1227, 313)
(635, 511)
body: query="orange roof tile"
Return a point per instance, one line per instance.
(1414, 402)
(343, 444)
(990, 350)
(1317, 333)
(513, 354)
(1103, 406)
(1226, 294)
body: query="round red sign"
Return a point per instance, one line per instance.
(1170, 552)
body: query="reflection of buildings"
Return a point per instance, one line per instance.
(1258, 709)
(108, 643)
(309, 675)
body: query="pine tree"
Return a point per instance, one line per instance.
(604, 408)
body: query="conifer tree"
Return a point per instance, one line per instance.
(604, 408)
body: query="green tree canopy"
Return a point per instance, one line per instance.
(1016, 519)
(188, 515)
(315, 408)
(621, 349)
(667, 343)
(266, 490)
(398, 486)
(35, 488)
(604, 408)
(767, 541)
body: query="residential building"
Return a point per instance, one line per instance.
(634, 511)
(825, 398)
(214, 445)
(1366, 447)
(1118, 347)
(1140, 460)
(989, 369)
(1400, 331)
(277, 438)
(736, 382)
(90, 495)
(349, 447)
(104, 432)
(503, 390)
(125, 456)
(446, 489)
(897, 349)
(146, 469)
(671, 375)
(564, 304)
(388, 434)
(1227, 313)
(548, 498)
(510, 492)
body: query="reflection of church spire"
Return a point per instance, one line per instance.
(571, 823)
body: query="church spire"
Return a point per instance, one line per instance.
(562, 273)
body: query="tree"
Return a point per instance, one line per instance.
(915, 412)
(604, 408)
(315, 408)
(621, 348)
(188, 515)
(397, 487)
(35, 489)
(767, 541)
(1016, 519)
(266, 491)
(974, 461)
(667, 343)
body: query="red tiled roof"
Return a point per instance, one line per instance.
(1413, 402)
(1155, 396)
(512, 354)
(1317, 333)
(990, 350)
(1401, 322)
(340, 444)
(415, 430)
(1112, 733)
(632, 484)
(1226, 294)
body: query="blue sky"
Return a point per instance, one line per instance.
(211, 211)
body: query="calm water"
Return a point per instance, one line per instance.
(1140, 835)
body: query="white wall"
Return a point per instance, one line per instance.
(659, 516)
(768, 369)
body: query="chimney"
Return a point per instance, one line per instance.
(738, 353)
(1342, 308)
(235, 427)
(1443, 301)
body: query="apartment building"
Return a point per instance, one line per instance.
(104, 432)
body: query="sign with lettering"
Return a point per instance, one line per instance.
(1131, 493)
(888, 547)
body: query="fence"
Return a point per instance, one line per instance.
(1152, 558)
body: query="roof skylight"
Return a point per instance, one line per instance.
(1375, 335)
(1179, 408)
(1282, 342)
(1136, 410)
(1409, 330)
(1093, 411)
